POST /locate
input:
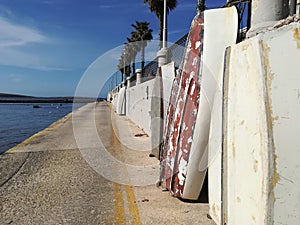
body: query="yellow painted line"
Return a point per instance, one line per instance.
(119, 205)
(133, 208)
(119, 201)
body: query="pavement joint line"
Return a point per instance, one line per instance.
(16, 172)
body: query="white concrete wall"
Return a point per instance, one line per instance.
(262, 125)
(138, 104)
(114, 101)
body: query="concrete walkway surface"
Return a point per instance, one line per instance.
(90, 167)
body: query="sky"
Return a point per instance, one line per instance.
(50, 47)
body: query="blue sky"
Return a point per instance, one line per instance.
(46, 46)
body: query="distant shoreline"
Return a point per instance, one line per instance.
(47, 100)
(12, 98)
(33, 101)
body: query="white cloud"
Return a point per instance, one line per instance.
(17, 35)
(16, 58)
(13, 37)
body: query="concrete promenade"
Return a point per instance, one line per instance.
(69, 174)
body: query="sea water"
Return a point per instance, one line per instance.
(19, 121)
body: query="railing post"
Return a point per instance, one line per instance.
(138, 76)
(128, 82)
(265, 13)
(162, 57)
(298, 8)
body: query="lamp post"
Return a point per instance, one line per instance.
(162, 53)
(124, 63)
(165, 25)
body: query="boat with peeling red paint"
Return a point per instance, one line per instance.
(182, 113)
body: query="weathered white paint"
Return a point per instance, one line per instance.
(225, 19)
(138, 104)
(262, 126)
(285, 105)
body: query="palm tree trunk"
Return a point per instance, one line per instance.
(161, 29)
(201, 6)
(133, 66)
(143, 58)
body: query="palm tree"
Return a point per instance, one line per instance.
(134, 48)
(126, 56)
(157, 6)
(124, 62)
(142, 34)
(120, 66)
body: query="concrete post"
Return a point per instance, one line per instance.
(162, 57)
(156, 100)
(138, 76)
(298, 8)
(266, 13)
(128, 82)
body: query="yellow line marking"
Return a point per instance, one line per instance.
(119, 205)
(133, 208)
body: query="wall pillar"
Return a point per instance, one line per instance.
(162, 57)
(298, 8)
(128, 82)
(138, 76)
(265, 13)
